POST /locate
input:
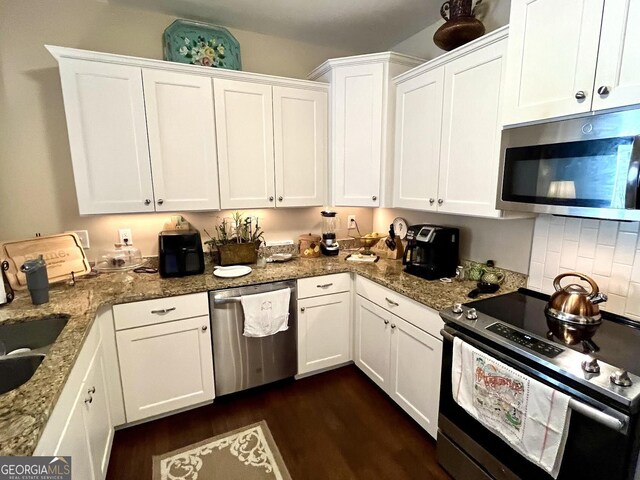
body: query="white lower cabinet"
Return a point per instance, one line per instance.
(324, 328)
(165, 367)
(74, 441)
(401, 358)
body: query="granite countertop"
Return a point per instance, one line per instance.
(24, 411)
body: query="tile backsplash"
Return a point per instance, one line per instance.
(606, 251)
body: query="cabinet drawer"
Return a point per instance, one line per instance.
(160, 310)
(413, 312)
(324, 285)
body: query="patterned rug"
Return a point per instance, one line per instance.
(248, 453)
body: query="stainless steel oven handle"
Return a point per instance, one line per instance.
(223, 300)
(594, 414)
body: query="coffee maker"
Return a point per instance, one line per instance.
(432, 251)
(329, 245)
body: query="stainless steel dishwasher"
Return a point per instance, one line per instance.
(243, 362)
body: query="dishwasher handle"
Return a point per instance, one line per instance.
(222, 300)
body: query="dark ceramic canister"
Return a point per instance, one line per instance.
(460, 27)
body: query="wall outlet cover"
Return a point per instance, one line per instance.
(124, 234)
(351, 222)
(83, 236)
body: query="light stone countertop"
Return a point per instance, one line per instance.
(24, 411)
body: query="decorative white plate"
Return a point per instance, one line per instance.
(232, 271)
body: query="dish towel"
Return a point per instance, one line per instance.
(266, 313)
(532, 417)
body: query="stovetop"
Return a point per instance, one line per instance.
(517, 321)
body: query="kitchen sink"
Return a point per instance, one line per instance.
(30, 341)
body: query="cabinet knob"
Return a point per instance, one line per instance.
(393, 325)
(432, 201)
(580, 95)
(160, 201)
(88, 400)
(147, 202)
(204, 328)
(302, 309)
(280, 198)
(604, 90)
(386, 322)
(271, 198)
(91, 390)
(440, 201)
(374, 198)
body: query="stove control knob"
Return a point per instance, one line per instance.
(472, 314)
(591, 366)
(621, 378)
(457, 308)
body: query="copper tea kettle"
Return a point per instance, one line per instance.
(573, 303)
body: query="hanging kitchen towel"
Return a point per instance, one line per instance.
(532, 417)
(266, 313)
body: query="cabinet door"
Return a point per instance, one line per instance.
(97, 414)
(74, 441)
(165, 367)
(553, 48)
(415, 373)
(619, 56)
(181, 127)
(418, 130)
(244, 123)
(300, 142)
(104, 105)
(373, 341)
(357, 134)
(324, 331)
(471, 133)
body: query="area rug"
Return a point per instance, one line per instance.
(248, 453)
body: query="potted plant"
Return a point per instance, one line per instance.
(236, 240)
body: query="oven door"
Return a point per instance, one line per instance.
(600, 445)
(586, 167)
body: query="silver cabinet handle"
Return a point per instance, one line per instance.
(147, 202)
(393, 325)
(91, 390)
(280, 198)
(604, 90)
(302, 309)
(88, 400)
(271, 198)
(374, 198)
(386, 322)
(160, 201)
(324, 285)
(432, 201)
(580, 95)
(440, 201)
(391, 302)
(204, 328)
(162, 311)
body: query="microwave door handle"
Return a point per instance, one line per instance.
(633, 177)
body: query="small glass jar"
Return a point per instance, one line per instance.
(461, 273)
(261, 262)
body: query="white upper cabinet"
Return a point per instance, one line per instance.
(361, 170)
(357, 134)
(471, 132)
(244, 122)
(105, 111)
(300, 143)
(180, 122)
(618, 74)
(418, 131)
(557, 50)
(448, 126)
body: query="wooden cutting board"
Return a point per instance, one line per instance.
(63, 254)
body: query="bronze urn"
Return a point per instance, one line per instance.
(461, 25)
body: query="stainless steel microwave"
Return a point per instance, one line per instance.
(583, 167)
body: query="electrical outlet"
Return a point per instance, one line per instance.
(351, 222)
(83, 236)
(125, 236)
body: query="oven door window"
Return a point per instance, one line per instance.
(596, 173)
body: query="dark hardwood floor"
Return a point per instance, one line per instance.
(336, 425)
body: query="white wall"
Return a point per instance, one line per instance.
(37, 192)
(493, 14)
(508, 242)
(606, 251)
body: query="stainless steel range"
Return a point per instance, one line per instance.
(602, 377)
